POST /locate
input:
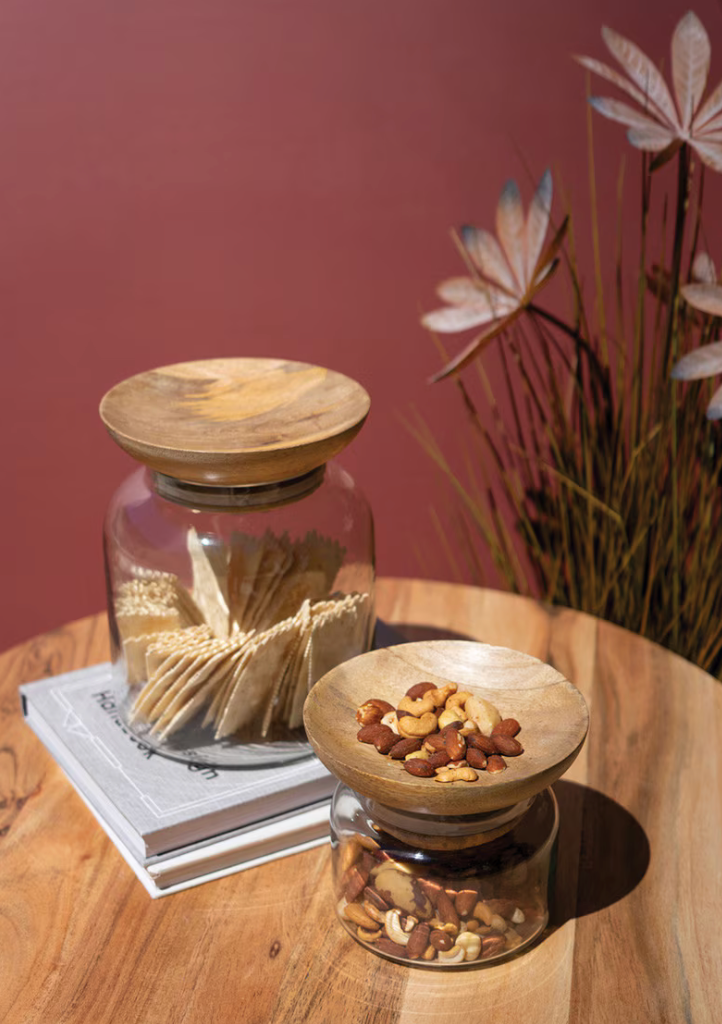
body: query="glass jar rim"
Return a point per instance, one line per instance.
(251, 497)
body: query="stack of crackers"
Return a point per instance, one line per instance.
(257, 631)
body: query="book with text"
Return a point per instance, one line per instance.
(155, 806)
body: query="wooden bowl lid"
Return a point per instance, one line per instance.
(235, 422)
(552, 713)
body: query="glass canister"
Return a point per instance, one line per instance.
(443, 891)
(239, 557)
(444, 825)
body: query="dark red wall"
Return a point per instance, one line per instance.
(191, 178)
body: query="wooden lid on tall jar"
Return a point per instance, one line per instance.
(235, 422)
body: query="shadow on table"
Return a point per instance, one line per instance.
(603, 853)
(405, 632)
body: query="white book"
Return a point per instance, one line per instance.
(151, 804)
(225, 855)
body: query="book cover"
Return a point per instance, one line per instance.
(152, 803)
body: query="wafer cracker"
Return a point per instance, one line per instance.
(339, 633)
(244, 560)
(274, 583)
(198, 690)
(140, 618)
(206, 659)
(170, 678)
(207, 591)
(162, 656)
(275, 559)
(302, 620)
(242, 644)
(268, 659)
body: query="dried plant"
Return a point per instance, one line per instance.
(594, 447)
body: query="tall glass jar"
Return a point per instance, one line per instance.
(240, 556)
(435, 891)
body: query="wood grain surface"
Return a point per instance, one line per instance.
(552, 712)
(634, 936)
(235, 422)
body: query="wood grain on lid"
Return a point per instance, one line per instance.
(235, 422)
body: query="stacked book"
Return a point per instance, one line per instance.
(176, 823)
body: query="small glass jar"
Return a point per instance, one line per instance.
(239, 558)
(443, 892)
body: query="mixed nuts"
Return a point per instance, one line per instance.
(411, 914)
(440, 733)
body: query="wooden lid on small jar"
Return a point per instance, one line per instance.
(235, 422)
(551, 711)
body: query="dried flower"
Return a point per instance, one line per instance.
(704, 294)
(507, 273)
(661, 127)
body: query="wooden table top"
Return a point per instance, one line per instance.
(635, 932)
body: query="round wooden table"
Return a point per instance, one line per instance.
(635, 932)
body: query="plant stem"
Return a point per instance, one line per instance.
(671, 352)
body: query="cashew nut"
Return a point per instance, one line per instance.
(467, 728)
(368, 936)
(410, 923)
(353, 912)
(393, 928)
(416, 728)
(470, 943)
(451, 956)
(498, 923)
(392, 721)
(456, 775)
(429, 953)
(417, 708)
(378, 915)
(483, 913)
(518, 917)
(460, 698)
(423, 754)
(441, 694)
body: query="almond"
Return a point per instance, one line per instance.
(438, 759)
(465, 902)
(418, 942)
(506, 727)
(455, 744)
(440, 940)
(391, 948)
(446, 910)
(403, 747)
(476, 759)
(495, 764)
(483, 743)
(507, 745)
(420, 768)
(491, 945)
